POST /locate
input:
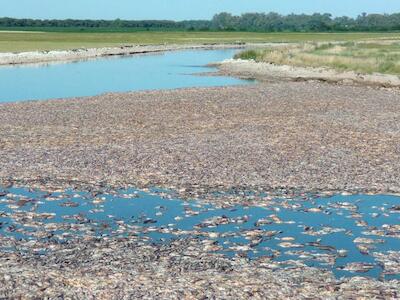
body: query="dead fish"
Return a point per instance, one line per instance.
(287, 239)
(271, 233)
(23, 202)
(313, 210)
(276, 219)
(213, 235)
(357, 267)
(98, 201)
(256, 242)
(364, 249)
(69, 204)
(356, 216)
(290, 245)
(361, 240)
(149, 221)
(342, 252)
(321, 247)
(361, 223)
(262, 222)
(395, 208)
(344, 205)
(374, 232)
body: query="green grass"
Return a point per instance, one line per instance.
(88, 29)
(372, 56)
(248, 55)
(14, 41)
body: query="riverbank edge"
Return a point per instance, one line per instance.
(249, 69)
(34, 57)
(244, 69)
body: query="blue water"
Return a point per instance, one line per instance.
(158, 218)
(118, 74)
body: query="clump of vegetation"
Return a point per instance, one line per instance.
(247, 55)
(374, 56)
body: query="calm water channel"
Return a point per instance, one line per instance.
(118, 74)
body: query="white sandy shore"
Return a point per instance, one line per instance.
(83, 53)
(267, 71)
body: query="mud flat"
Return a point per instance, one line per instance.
(271, 72)
(225, 146)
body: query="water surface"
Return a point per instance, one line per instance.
(329, 233)
(167, 70)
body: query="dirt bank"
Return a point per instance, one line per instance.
(270, 72)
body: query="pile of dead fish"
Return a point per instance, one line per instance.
(330, 232)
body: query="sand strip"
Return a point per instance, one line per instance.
(271, 72)
(88, 53)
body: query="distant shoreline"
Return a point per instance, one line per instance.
(34, 57)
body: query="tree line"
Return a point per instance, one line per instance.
(273, 22)
(257, 22)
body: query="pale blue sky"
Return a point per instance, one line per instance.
(184, 9)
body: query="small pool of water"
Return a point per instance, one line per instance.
(167, 70)
(357, 235)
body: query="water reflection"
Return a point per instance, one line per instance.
(116, 74)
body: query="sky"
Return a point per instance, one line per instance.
(184, 9)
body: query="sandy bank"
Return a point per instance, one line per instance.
(271, 72)
(78, 54)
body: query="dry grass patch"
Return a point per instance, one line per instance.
(379, 56)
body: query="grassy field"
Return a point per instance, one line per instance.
(373, 56)
(14, 41)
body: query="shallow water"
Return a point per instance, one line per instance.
(321, 232)
(118, 74)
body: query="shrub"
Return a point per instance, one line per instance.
(247, 55)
